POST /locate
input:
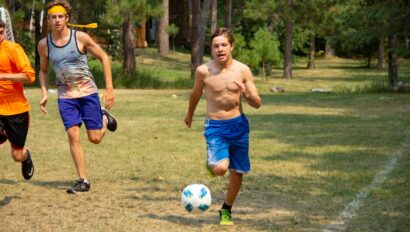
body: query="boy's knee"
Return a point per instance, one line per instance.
(220, 170)
(94, 139)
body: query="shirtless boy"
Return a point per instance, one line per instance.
(226, 127)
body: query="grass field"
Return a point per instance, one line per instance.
(320, 162)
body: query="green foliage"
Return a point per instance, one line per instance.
(378, 86)
(144, 78)
(360, 23)
(263, 49)
(25, 39)
(260, 9)
(172, 30)
(300, 39)
(114, 49)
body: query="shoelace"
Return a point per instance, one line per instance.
(225, 214)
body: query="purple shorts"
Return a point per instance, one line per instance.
(84, 109)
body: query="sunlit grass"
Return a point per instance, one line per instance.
(311, 154)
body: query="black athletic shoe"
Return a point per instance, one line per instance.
(79, 187)
(27, 166)
(112, 122)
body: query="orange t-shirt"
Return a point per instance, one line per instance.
(13, 59)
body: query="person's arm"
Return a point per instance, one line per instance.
(196, 93)
(248, 88)
(92, 47)
(43, 74)
(25, 73)
(15, 77)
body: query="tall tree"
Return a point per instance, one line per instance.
(264, 14)
(214, 15)
(75, 9)
(380, 60)
(263, 10)
(329, 50)
(126, 13)
(393, 60)
(370, 20)
(228, 14)
(163, 37)
(128, 41)
(200, 17)
(287, 71)
(317, 21)
(271, 12)
(312, 50)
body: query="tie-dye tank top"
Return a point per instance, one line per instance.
(73, 76)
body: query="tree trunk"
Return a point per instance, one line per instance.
(199, 22)
(329, 51)
(74, 11)
(129, 64)
(369, 60)
(288, 43)
(44, 23)
(311, 55)
(163, 37)
(228, 14)
(11, 5)
(380, 61)
(190, 11)
(195, 62)
(214, 15)
(393, 62)
(37, 37)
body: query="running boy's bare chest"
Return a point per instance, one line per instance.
(223, 81)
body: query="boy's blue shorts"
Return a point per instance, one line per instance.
(77, 110)
(228, 139)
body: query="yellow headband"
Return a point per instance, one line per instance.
(60, 9)
(56, 9)
(91, 25)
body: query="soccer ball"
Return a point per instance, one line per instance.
(196, 198)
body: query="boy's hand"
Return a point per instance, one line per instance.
(242, 87)
(188, 121)
(43, 103)
(109, 99)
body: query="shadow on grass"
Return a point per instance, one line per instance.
(167, 61)
(7, 199)
(328, 180)
(4, 181)
(320, 130)
(308, 99)
(196, 221)
(53, 184)
(183, 220)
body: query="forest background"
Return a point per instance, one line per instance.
(269, 34)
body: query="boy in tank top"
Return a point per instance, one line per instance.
(78, 99)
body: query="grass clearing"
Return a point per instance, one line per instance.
(311, 153)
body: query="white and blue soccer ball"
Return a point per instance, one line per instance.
(196, 198)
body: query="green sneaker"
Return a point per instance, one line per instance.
(209, 170)
(226, 217)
